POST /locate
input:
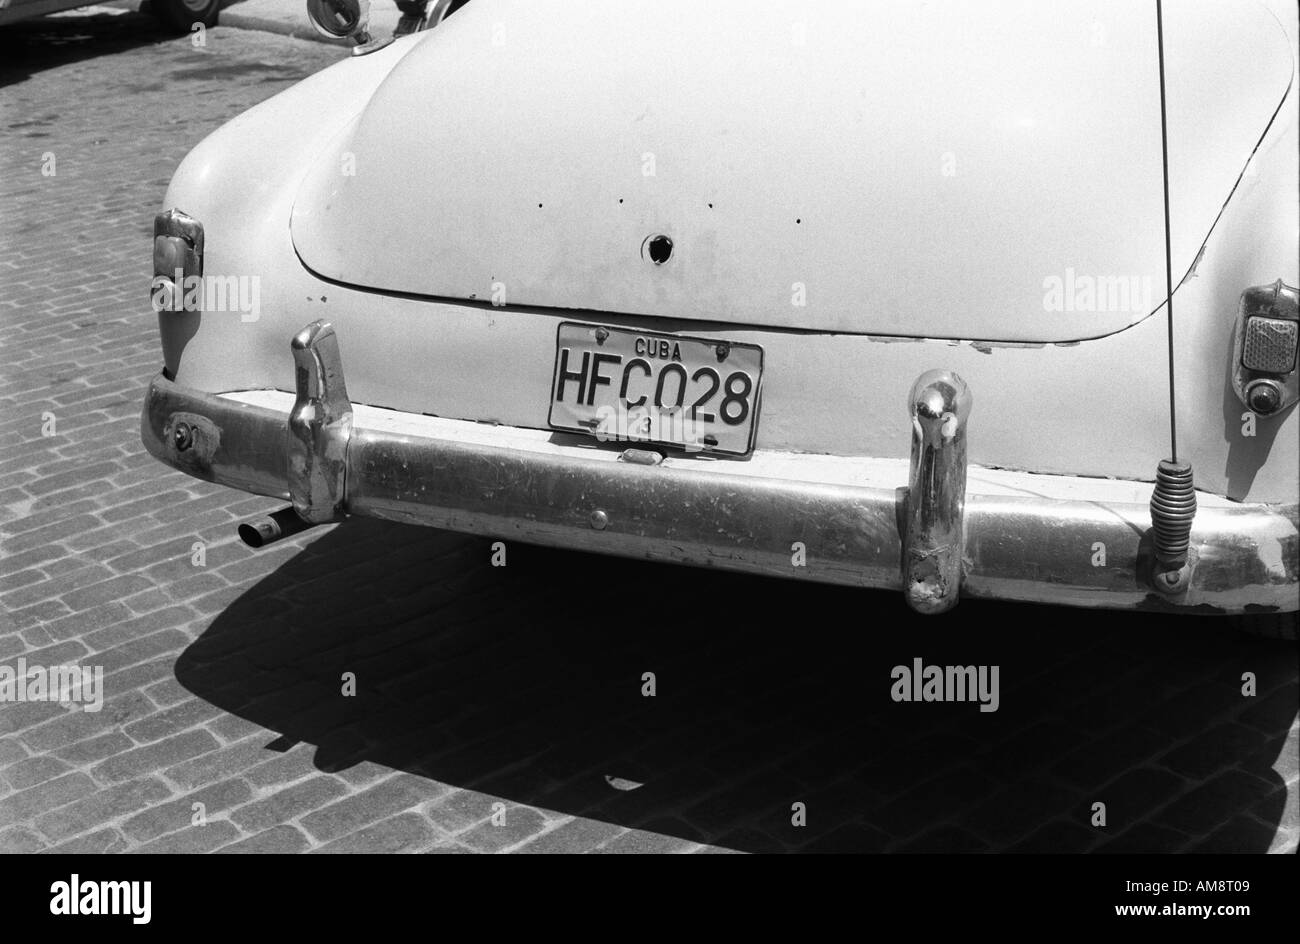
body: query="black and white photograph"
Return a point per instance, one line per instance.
(569, 426)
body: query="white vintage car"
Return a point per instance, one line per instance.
(874, 293)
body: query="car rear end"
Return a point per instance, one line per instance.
(865, 295)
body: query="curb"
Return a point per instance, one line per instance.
(246, 21)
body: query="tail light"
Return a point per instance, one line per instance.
(177, 258)
(1264, 348)
(1269, 345)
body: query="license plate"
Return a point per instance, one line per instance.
(697, 394)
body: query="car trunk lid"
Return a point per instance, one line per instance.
(945, 169)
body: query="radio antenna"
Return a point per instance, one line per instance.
(1169, 277)
(1173, 500)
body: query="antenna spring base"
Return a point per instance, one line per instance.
(1173, 506)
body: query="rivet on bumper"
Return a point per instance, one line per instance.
(933, 532)
(320, 426)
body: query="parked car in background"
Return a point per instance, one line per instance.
(178, 14)
(876, 294)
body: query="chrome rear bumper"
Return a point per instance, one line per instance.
(936, 531)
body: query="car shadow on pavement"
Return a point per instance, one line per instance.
(771, 724)
(31, 46)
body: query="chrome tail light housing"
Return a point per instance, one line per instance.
(177, 258)
(1264, 348)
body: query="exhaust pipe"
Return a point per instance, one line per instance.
(259, 532)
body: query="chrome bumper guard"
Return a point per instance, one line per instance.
(930, 540)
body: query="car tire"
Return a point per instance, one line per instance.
(181, 15)
(1270, 625)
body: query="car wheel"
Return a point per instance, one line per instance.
(1270, 625)
(180, 15)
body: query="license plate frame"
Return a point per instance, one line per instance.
(695, 424)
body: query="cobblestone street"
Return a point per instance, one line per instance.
(496, 707)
